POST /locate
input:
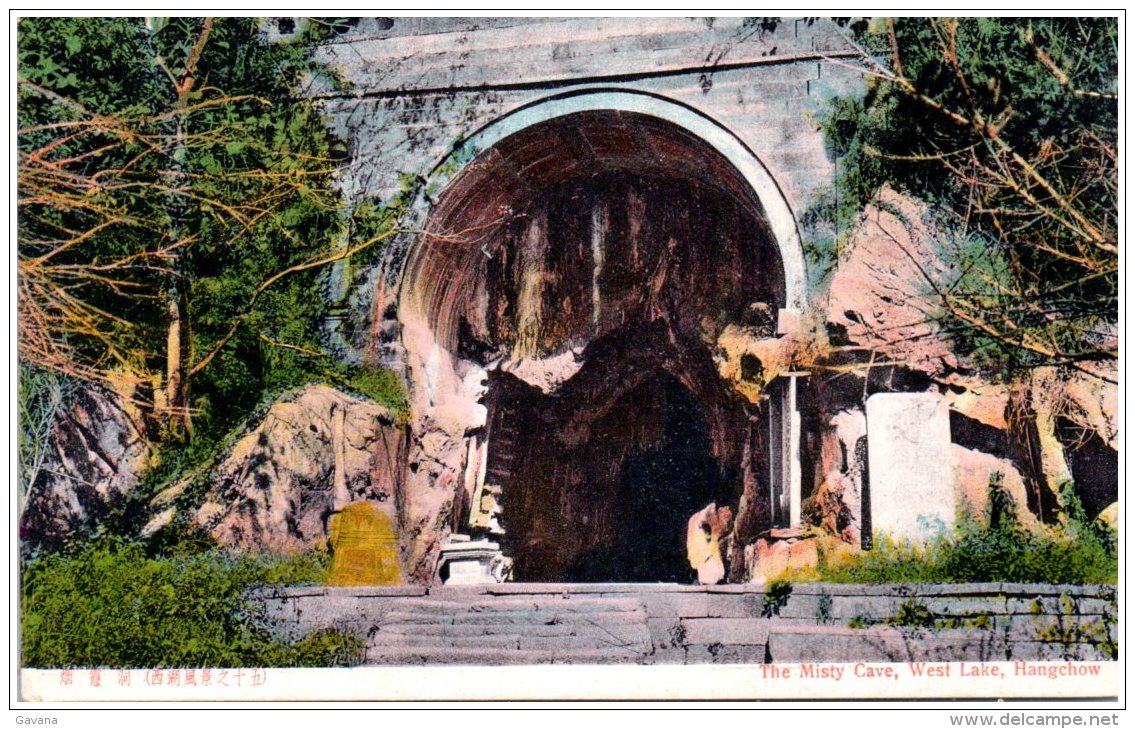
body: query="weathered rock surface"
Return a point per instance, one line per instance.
(881, 294)
(315, 452)
(771, 558)
(972, 473)
(749, 358)
(836, 504)
(880, 311)
(94, 456)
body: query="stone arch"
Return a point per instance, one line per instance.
(462, 324)
(721, 139)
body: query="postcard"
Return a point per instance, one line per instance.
(568, 358)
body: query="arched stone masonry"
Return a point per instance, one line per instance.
(560, 321)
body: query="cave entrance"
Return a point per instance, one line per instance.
(563, 318)
(598, 486)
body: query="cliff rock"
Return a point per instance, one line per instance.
(315, 452)
(93, 458)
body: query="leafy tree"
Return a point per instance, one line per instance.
(1008, 128)
(176, 206)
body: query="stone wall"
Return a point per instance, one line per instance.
(654, 624)
(419, 87)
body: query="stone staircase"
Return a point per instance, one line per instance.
(497, 630)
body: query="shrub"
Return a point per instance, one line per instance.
(109, 604)
(992, 549)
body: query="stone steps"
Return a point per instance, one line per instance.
(533, 607)
(638, 640)
(402, 656)
(528, 629)
(621, 629)
(481, 621)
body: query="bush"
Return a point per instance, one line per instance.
(994, 549)
(111, 605)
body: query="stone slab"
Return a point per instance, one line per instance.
(681, 605)
(910, 465)
(1051, 605)
(832, 644)
(725, 653)
(666, 634)
(732, 631)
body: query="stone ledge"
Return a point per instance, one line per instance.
(305, 591)
(933, 589)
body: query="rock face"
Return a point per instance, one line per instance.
(881, 293)
(973, 471)
(94, 456)
(774, 557)
(314, 453)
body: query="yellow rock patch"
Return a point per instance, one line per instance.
(364, 547)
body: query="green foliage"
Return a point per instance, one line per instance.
(110, 604)
(1071, 631)
(41, 396)
(1008, 129)
(995, 548)
(912, 613)
(224, 194)
(381, 385)
(776, 597)
(326, 649)
(824, 608)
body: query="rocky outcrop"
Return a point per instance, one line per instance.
(315, 452)
(881, 295)
(880, 312)
(782, 553)
(973, 473)
(749, 358)
(836, 504)
(92, 459)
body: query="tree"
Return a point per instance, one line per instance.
(175, 207)
(1008, 127)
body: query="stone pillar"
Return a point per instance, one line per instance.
(792, 454)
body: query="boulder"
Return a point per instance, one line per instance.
(91, 459)
(1110, 517)
(835, 506)
(972, 473)
(830, 508)
(748, 358)
(316, 451)
(772, 559)
(705, 534)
